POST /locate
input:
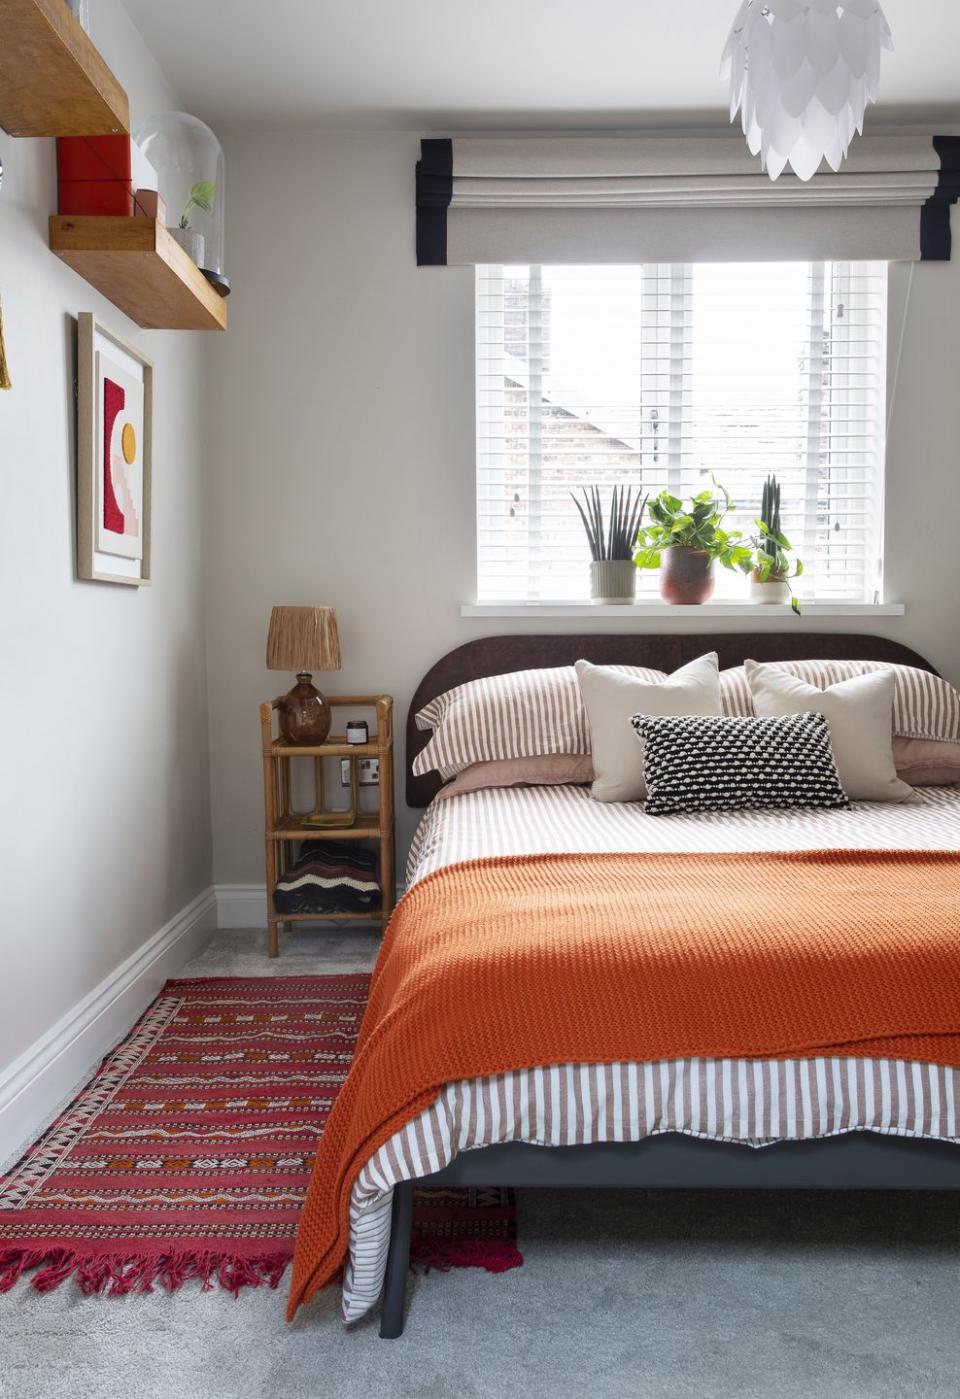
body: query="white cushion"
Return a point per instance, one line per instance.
(860, 714)
(611, 699)
(924, 705)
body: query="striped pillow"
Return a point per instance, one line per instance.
(924, 705)
(526, 714)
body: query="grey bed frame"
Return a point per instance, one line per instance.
(856, 1161)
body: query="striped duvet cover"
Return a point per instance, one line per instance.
(750, 1102)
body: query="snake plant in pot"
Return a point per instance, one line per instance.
(613, 575)
(772, 566)
(684, 543)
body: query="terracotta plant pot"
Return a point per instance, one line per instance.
(686, 576)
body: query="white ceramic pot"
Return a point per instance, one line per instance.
(613, 580)
(190, 241)
(775, 591)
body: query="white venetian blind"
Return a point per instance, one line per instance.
(663, 375)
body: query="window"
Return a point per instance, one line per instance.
(661, 375)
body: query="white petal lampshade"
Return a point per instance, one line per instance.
(801, 74)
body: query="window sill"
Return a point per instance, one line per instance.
(706, 612)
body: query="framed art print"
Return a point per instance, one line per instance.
(114, 430)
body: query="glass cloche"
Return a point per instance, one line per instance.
(188, 160)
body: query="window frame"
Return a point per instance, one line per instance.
(672, 294)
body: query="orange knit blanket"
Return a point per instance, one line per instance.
(508, 963)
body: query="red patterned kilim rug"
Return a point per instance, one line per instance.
(189, 1152)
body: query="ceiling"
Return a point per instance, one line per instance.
(455, 64)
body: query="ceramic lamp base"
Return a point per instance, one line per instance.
(303, 713)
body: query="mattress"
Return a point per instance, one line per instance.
(751, 1102)
(556, 820)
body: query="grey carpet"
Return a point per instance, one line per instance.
(699, 1295)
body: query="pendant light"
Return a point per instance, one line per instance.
(801, 74)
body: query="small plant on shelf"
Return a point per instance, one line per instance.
(202, 195)
(684, 543)
(612, 573)
(773, 567)
(191, 240)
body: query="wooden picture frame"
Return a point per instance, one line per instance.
(114, 457)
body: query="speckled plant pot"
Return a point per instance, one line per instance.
(613, 580)
(190, 241)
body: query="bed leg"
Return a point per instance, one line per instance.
(398, 1262)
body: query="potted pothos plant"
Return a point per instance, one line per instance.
(685, 541)
(191, 240)
(773, 567)
(613, 574)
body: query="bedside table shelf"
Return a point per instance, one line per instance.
(335, 747)
(283, 824)
(328, 917)
(366, 827)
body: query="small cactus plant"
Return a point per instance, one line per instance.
(772, 548)
(770, 515)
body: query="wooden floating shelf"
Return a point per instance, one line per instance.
(136, 264)
(53, 81)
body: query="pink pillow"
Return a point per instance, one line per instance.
(925, 762)
(550, 770)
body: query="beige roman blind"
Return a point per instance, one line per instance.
(641, 199)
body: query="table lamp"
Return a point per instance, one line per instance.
(303, 639)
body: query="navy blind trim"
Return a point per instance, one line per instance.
(935, 241)
(434, 192)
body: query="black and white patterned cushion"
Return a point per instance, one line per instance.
(706, 764)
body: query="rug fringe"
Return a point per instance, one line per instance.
(493, 1255)
(115, 1274)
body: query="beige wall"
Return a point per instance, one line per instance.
(342, 461)
(103, 756)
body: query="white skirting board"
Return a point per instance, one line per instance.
(33, 1085)
(241, 905)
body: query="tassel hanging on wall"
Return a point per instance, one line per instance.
(4, 371)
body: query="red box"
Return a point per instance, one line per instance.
(94, 175)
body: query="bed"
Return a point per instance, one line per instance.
(824, 1121)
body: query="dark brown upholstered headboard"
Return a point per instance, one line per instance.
(498, 655)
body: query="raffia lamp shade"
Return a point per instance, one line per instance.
(303, 639)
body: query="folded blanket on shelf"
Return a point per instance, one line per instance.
(328, 877)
